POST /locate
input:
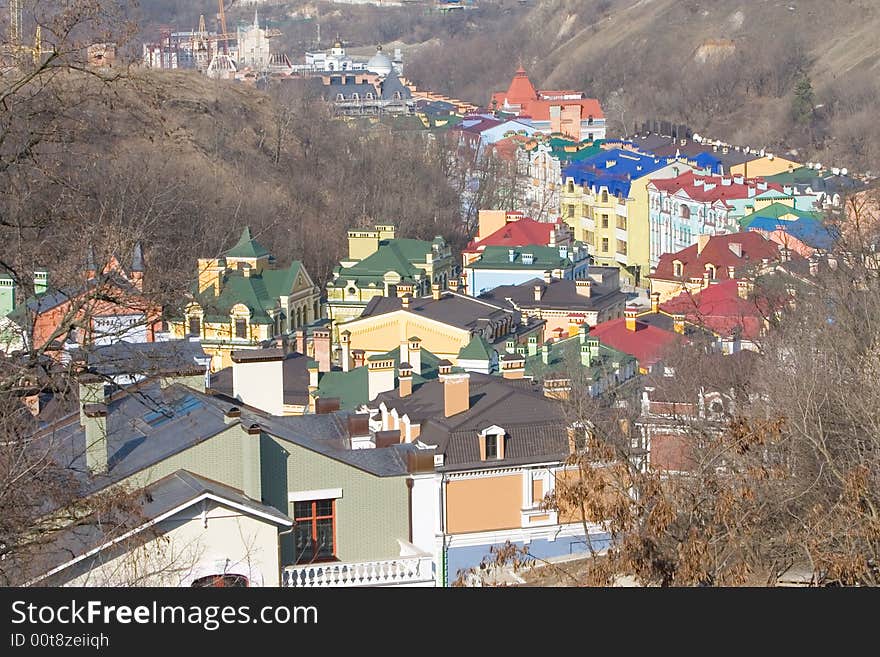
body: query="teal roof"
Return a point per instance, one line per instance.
(259, 292)
(558, 144)
(565, 356)
(397, 255)
(498, 257)
(247, 247)
(352, 387)
(776, 210)
(477, 349)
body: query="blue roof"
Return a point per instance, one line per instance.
(707, 161)
(624, 166)
(809, 231)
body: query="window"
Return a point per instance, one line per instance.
(604, 195)
(604, 245)
(314, 530)
(241, 328)
(195, 326)
(590, 120)
(604, 221)
(685, 212)
(621, 222)
(676, 268)
(571, 211)
(491, 447)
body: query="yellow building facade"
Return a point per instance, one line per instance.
(616, 228)
(243, 299)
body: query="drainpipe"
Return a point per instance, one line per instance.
(443, 564)
(409, 488)
(280, 564)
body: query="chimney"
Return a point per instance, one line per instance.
(232, 414)
(548, 277)
(345, 357)
(404, 351)
(97, 449)
(630, 315)
(557, 387)
(545, 353)
(678, 323)
(415, 354)
(731, 272)
(435, 291)
(380, 375)
(583, 331)
(533, 345)
(705, 279)
(357, 357)
(258, 378)
(784, 254)
(702, 241)
(301, 346)
(742, 289)
(584, 288)
(736, 249)
(552, 241)
(586, 355)
(456, 394)
(655, 302)
(511, 255)
(538, 291)
(814, 266)
(405, 379)
(405, 301)
(321, 340)
(513, 366)
(314, 375)
(358, 425)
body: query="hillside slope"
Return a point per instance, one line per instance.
(727, 68)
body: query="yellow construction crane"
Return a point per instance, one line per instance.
(224, 33)
(16, 34)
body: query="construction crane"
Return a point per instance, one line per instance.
(16, 34)
(15, 22)
(224, 33)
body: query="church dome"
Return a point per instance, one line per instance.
(380, 63)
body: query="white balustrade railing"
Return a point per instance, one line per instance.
(408, 571)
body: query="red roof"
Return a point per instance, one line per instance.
(695, 186)
(521, 89)
(720, 309)
(647, 343)
(506, 148)
(719, 251)
(532, 103)
(522, 232)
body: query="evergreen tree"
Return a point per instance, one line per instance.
(804, 101)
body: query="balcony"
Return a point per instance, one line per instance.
(414, 570)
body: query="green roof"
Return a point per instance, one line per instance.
(247, 247)
(477, 349)
(498, 257)
(352, 387)
(395, 255)
(566, 354)
(259, 292)
(776, 210)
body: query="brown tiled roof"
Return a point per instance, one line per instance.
(535, 425)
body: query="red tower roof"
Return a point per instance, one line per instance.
(521, 89)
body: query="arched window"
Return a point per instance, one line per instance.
(221, 581)
(685, 212)
(604, 196)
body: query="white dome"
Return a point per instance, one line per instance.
(380, 63)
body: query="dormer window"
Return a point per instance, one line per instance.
(677, 268)
(492, 446)
(492, 443)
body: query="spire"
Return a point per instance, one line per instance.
(90, 267)
(256, 20)
(137, 258)
(247, 246)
